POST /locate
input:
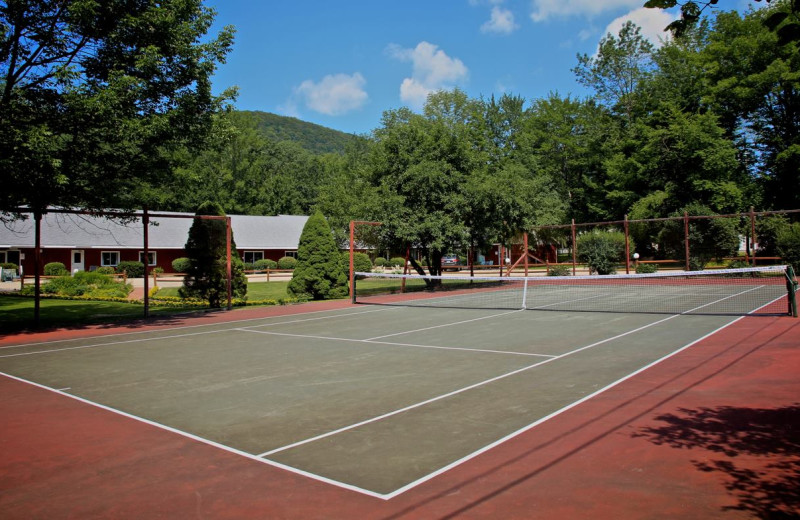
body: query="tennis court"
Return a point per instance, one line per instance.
(377, 399)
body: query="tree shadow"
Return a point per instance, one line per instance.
(766, 480)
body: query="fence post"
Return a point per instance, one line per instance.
(686, 238)
(525, 245)
(753, 233)
(574, 248)
(146, 297)
(627, 248)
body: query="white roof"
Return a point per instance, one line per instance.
(85, 231)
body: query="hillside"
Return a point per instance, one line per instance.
(314, 138)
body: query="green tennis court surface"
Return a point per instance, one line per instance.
(372, 398)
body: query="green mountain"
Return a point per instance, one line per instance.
(314, 138)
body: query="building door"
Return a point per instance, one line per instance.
(77, 260)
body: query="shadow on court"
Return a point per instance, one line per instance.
(759, 452)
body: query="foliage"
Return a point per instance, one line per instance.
(602, 251)
(181, 264)
(708, 238)
(83, 283)
(321, 272)
(788, 245)
(397, 261)
(361, 262)
(55, 269)
(8, 265)
(206, 248)
(312, 138)
(134, 77)
(132, 268)
(106, 269)
(287, 262)
(381, 262)
(646, 268)
(264, 264)
(559, 270)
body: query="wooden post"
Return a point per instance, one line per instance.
(146, 225)
(228, 240)
(352, 251)
(627, 248)
(753, 233)
(686, 238)
(525, 245)
(37, 266)
(574, 249)
(405, 268)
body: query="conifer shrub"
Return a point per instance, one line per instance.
(206, 277)
(321, 272)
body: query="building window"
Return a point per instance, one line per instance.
(109, 258)
(3, 258)
(250, 257)
(293, 254)
(151, 256)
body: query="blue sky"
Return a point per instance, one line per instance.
(342, 64)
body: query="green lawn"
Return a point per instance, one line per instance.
(255, 290)
(16, 313)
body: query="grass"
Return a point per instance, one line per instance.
(255, 290)
(16, 313)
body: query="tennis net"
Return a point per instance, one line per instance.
(753, 290)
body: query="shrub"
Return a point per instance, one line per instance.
(181, 265)
(788, 245)
(264, 264)
(106, 269)
(397, 261)
(646, 268)
(737, 264)
(287, 262)
(601, 250)
(559, 270)
(708, 238)
(132, 268)
(9, 265)
(381, 262)
(361, 262)
(89, 284)
(321, 272)
(55, 269)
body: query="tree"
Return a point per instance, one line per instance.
(320, 273)
(623, 62)
(206, 248)
(708, 238)
(95, 95)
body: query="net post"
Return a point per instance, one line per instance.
(525, 294)
(686, 238)
(791, 288)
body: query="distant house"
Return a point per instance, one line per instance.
(83, 242)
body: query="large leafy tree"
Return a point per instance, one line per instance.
(95, 94)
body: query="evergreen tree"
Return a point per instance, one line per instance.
(206, 277)
(321, 272)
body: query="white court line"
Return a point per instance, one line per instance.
(390, 343)
(475, 385)
(460, 390)
(167, 329)
(444, 325)
(137, 340)
(201, 439)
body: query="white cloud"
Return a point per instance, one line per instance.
(502, 22)
(544, 9)
(432, 70)
(335, 95)
(652, 22)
